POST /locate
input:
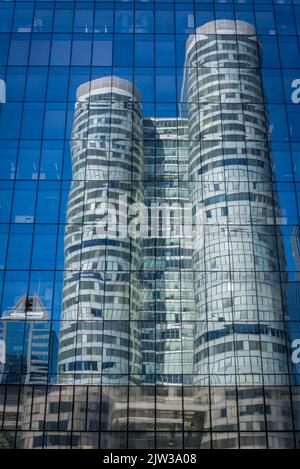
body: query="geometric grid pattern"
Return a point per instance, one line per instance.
(171, 295)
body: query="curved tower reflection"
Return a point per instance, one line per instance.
(240, 346)
(98, 344)
(240, 333)
(167, 294)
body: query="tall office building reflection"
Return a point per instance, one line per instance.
(240, 332)
(30, 343)
(167, 302)
(203, 311)
(225, 170)
(99, 338)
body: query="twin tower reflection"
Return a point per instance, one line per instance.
(175, 335)
(206, 309)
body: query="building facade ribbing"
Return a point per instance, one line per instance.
(180, 340)
(240, 337)
(225, 172)
(101, 285)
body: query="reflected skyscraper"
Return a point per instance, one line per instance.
(99, 338)
(30, 343)
(221, 148)
(204, 307)
(149, 214)
(167, 304)
(240, 331)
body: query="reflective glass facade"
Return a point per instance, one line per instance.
(149, 224)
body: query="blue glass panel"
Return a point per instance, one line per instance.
(165, 85)
(84, 17)
(63, 18)
(19, 248)
(42, 283)
(292, 59)
(144, 50)
(44, 246)
(52, 159)
(24, 201)
(165, 50)
(295, 147)
(81, 50)
(281, 157)
(6, 201)
(3, 245)
(102, 50)
(164, 18)
(104, 17)
(4, 46)
(124, 17)
(293, 113)
(270, 53)
(123, 50)
(15, 83)
(10, 120)
(285, 19)
(39, 49)
(185, 18)
(6, 15)
(58, 83)
(273, 85)
(265, 20)
(55, 118)
(36, 84)
(16, 285)
(47, 208)
(288, 204)
(19, 49)
(144, 80)
(43, 17)
(23, 17)
(61, 49)
(204, 13)
(8, 158)
(32, 121)
(28, 159)
(144, 18)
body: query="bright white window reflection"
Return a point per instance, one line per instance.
(2, 91)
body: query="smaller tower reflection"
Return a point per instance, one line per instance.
(31, 345)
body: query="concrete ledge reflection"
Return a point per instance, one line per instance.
(112, 417)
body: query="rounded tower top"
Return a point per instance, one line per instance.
(109, 82)
(226, 27)
(221, 27)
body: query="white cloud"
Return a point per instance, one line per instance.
(2, 352)
(2, 91)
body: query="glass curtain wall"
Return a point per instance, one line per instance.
(149, 224)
